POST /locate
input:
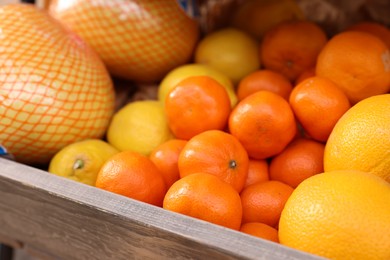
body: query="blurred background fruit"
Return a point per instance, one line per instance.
(360, 139)
(81, 161)
(54, 89)
(230, 51)
(359, 71)
(138, 40)
(339, 215)
(173, 77)
(374, 28)
(139, 126)
(292, 47)
(256, 17)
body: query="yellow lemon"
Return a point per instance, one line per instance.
(180, 73)
(139, 126)
(339, 215)
(81, 161)
(230, 51)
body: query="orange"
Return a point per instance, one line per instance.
(260, 230)
(165, 157)
(292, 47)
(264, 201)
(264, 80)
(308, 73)
(360, 140)
(373, 28)
(206, 197)
(358, 63)
(257, 172)
(339, 215)
(264, 123)
(301, 159)
(197, 104)
(132, 175)
(217, 153)
(318, 104)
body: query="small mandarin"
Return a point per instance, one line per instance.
(308, 73)
(264, 201)
(292, 47)
(165, 157)
(206, 197)
(264, 123)
(260, 230)
(218, 153)
(257, 171)
(197, 104)
(132, 175)
(318, 104)
(264, 80)
(301, 159)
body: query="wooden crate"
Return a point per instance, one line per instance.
(69, 220)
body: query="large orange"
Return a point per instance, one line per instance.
(206, 197)
(132, 175)
(54, 89)
(217, 153)
(197, 104)
(264, 123)
(264, 201)
(292, 47)
(360, 140)
(140, 40)
(301, 159)
(339, 215)
(264, 80)
(318, 103)
(358, 62)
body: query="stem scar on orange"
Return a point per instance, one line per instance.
(217, 153)
(197, 104)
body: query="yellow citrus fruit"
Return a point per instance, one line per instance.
(188, 70)
(231, 51)
(81, 161)
(360, 140)
(258, 16)
(339, 215)
(139, 126)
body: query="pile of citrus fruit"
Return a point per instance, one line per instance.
(282, 134)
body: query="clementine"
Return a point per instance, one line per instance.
(132, 175)
(301, 159)
(206, 197)
(374, 28)
(217, 153)
(257, 171)
(318, 103)
(264, 123)
(264, 80)
(260, 230)
(264, 201)
(197, 104)
(165, 157)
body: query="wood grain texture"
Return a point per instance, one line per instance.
(71, 220)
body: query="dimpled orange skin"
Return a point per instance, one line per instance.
(54, 90)
(138, 40)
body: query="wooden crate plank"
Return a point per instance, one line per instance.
(75, 221)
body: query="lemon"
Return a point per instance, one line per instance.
(179, 73)
(230, 51)
(82, 160)
(339, 215)
(139, 126)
